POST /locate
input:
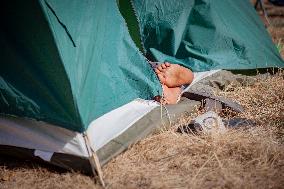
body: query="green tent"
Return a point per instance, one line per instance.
(73, 67)
(204, 35)
(66, 63)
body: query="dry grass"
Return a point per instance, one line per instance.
(240, 158)
(26, 175)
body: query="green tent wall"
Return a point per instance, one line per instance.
(206, 34)
(69, 62)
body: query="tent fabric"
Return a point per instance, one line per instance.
(69, 62)
(43, 136)
(205, 34)
(69, 66)
(33, 80)
(67, 161)
(47, 139)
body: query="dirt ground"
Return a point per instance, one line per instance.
(250, 157)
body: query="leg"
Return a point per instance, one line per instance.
(171, 95)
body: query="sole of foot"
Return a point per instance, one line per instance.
(173, 75)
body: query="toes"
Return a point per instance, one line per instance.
(160, 68)
(157, 71)
(167, 64)
(164, 66)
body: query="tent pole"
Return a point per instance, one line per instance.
(94, 160)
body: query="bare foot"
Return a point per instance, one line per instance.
(171, 95)
(173, 75)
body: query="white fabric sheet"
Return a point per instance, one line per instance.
(46, 156)
(114, 123)
(199, 76)
(40, 136)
